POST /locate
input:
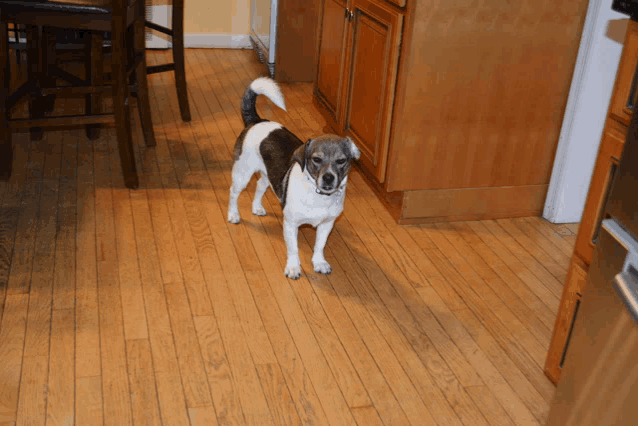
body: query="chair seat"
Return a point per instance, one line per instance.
(14, 6)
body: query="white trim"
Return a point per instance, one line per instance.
(217, 40)
(272, 37)
(160, 15)
(550, 211)
(206, 41)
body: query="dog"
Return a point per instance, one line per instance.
(309, 179)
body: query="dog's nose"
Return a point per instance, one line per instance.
(328, 178)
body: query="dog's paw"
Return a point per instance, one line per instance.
(233, 217)
(259, 211)
(292, 272)
(322, 267)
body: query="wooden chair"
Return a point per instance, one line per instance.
(125, 20)
(176, 32)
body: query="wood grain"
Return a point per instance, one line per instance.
(465, 122)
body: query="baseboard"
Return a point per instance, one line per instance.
(473, 203)
(204, 41)
(217, 41)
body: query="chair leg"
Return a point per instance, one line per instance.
(6, 150)
(34, 72)
(49, 53)
(94, 73)
(143, 101)
(121, 108)
(178, 59)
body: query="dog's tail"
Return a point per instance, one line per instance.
(261, 86)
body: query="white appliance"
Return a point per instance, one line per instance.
(263, 31)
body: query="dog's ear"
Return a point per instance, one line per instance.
(354, 150)
(299, 156)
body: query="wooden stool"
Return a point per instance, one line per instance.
(124, 19)
(178, 66)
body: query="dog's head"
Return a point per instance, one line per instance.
(327, 160)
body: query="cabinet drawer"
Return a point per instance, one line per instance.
(626, 87)
(608, 156)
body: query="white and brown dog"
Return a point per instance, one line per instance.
(309, 179)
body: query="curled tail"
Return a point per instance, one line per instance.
(261, 86)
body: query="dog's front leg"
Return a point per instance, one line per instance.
(318, 261)
(293, 266)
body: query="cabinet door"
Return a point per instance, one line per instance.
(567, 313)
(330, 69)
(373, 53)
(626, 86)
(608, 156)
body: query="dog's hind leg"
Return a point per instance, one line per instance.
(262, 186)
(240, 177)
(318, 261)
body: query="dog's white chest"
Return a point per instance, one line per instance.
(305, 206)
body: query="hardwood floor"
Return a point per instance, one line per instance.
(126, 307)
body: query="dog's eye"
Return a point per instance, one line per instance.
(341, 161)
(316, 160)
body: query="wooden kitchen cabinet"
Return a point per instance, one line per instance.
(361, 42)
(456, 107)
(609, 154)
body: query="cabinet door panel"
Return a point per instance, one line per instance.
(331, 54)
(374, 52)
(626, 88)
(602, 178)
(572, 292)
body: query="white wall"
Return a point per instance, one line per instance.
(590, 92)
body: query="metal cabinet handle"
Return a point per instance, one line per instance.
(349, 14)
(627, 287)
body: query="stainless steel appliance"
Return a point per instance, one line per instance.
(599, 381)
(263, 31)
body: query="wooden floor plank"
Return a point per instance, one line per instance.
(115, 383)
(65, 246)
(33, 397)
(225, 398)
(88, 370)
(144, 403)
(12, 334)
(61, 381)
(10, 212)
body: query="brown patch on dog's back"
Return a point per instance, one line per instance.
(277, 150)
